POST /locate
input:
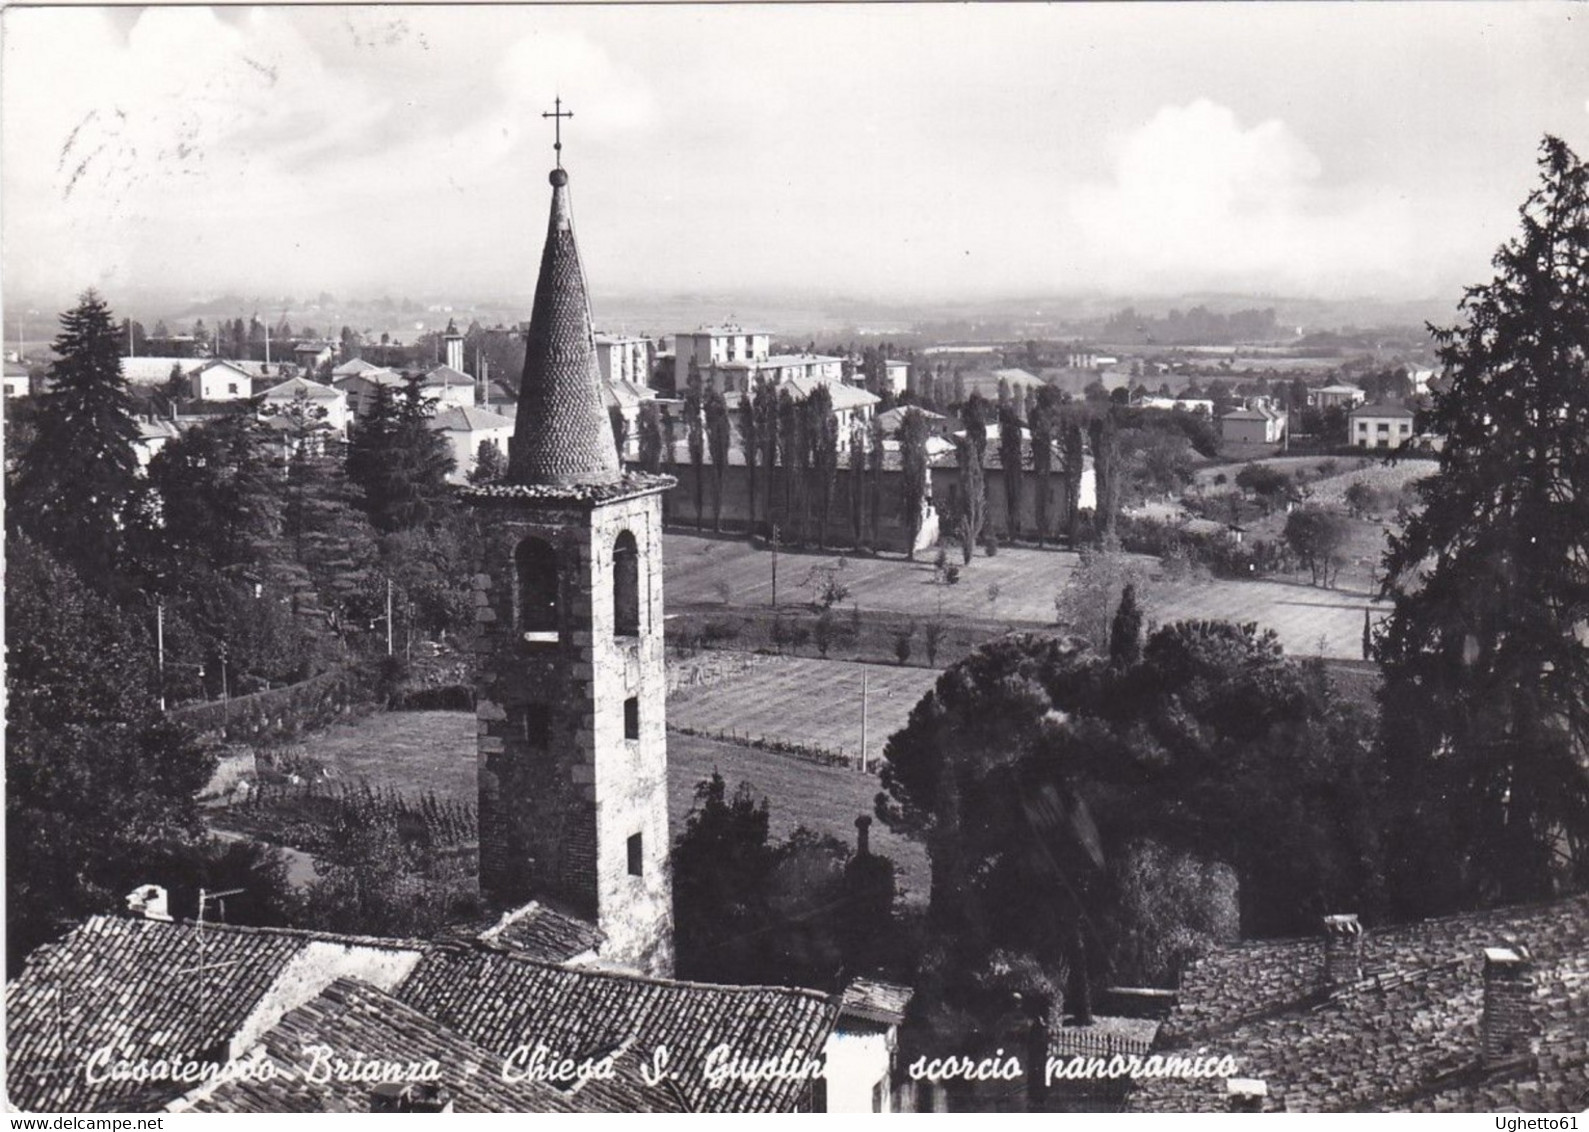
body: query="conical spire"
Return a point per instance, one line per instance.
(562, 434)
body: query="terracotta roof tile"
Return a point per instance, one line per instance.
(1403, 1038)
(503, 1002)
(132, 986)
(357, 1023)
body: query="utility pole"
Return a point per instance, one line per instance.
(775, 565)
(863, 720)
(160, 648)
(388, 617)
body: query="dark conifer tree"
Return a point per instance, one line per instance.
(1485, 729)
(76, 485)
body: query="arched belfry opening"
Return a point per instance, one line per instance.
(626, 585)
(535, 571)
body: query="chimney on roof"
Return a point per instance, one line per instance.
(863, 836)
(1245, 1094)
(149, 901)
(413, 1096)
(1343, 950)
(1507, 1025)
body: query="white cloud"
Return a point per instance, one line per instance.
(1198, 201)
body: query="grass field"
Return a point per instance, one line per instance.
(1029, 579)
(808, 701)
(1309, 621)
(697, 566)
(435, 750)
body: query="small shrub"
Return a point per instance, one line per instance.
(951, 574)
(903, 639)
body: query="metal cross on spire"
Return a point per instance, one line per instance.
(557, 115)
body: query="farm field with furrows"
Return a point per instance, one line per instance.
(810, 702)
(420, 751)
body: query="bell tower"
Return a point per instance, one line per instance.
(569, 651)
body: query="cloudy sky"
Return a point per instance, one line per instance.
(900, 151)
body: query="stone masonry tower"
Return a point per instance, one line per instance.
(570, 682)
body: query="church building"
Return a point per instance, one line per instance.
(570, 681)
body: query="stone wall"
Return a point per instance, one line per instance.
(561, 788)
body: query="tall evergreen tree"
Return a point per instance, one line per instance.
(822, 434)
(650, 424)
(323, 523)
(1043, 422)
(750, 445)
(766, 410)
(399, 461)
(1012, 461)
(1486, 652)
(76, 484)
(719, 435)
(857, 482)
(1125, 631)
(694, 414)
(915, 473)
(971, 455)
(1106, 463)
(876, 457)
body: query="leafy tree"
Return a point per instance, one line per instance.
(98, 784)
(490, 463)
(1359, 498)
(373, 881)
(913, 465)
(748, 910)
(1485, 724)
(76, 485)
(219, 491)
(1012, 461)
(1317, 536)
(719, 865)
(719, 437)
(1125, 631)
(1269, 484)
(1033, 767)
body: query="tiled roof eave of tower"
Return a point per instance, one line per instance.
(632, 485)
